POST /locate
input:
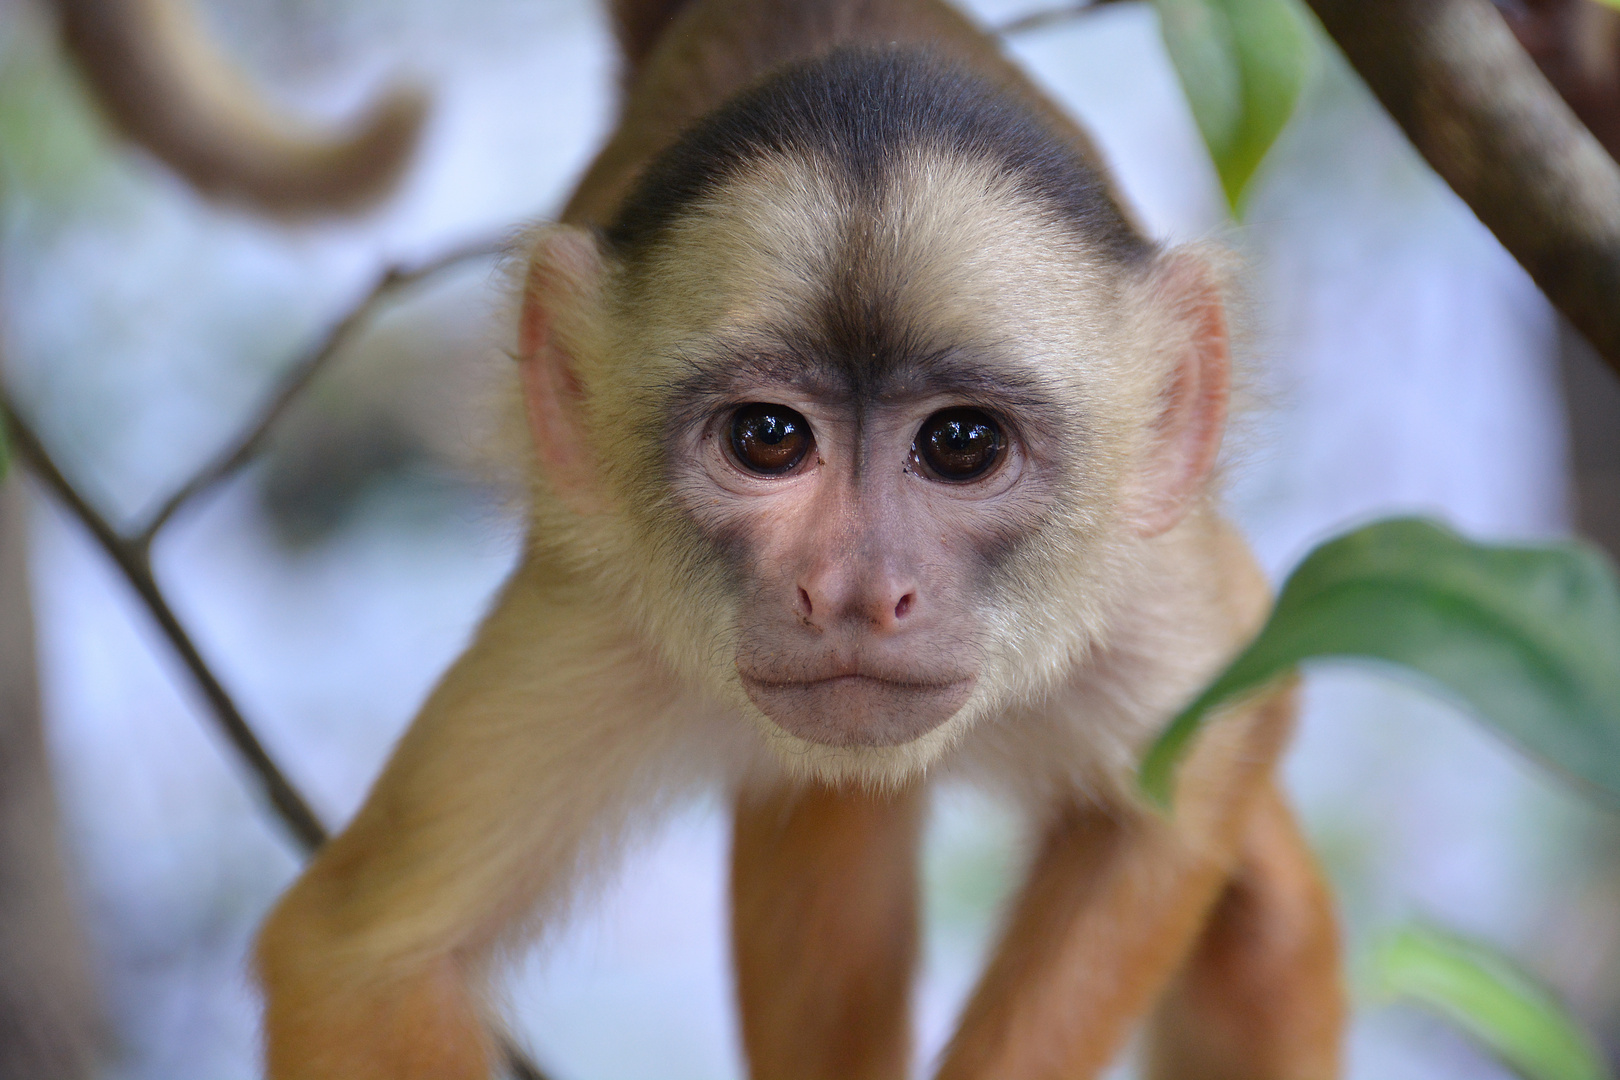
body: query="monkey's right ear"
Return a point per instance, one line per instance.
(564, 274)
(1185, 434)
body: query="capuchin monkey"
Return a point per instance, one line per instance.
(872, 444)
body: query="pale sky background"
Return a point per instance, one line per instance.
(1401, 362)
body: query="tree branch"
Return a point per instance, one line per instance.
(1474, 104)
(252, 438)
(132, 554)
(48, 1010)
(131, 558)
(158, 80)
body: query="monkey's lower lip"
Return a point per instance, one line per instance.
(857, 709)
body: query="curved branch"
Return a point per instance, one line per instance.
(1476, 107)
(168, 89)
(132, 560)
(132, 555)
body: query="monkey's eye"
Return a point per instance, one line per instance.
(959, 444)
(769, 439)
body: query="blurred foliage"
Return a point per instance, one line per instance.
(1243, 65)
(967, 879)
(53, 146)
(1483, 993)
(1529, 638)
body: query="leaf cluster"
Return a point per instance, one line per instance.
(1528, 639)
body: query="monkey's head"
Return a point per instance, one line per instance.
(866, 406)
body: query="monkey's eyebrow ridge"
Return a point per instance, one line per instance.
(729, 372)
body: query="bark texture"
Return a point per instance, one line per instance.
(1576, 43)
(1477, 108)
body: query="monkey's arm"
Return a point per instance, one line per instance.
(518, 771)
(1112, 906)
(824, 931)
(1260, 997)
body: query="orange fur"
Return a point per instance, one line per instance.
(824, 931)
(420, 1023)
(1260, 997)
(1112, 905)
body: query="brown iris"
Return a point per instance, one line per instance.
(959, 444)
(769, 439)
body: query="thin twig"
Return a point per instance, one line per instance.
(252, 439)
(132, 554)
(1040, 20)
(131, 558)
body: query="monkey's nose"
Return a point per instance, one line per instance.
(882, 603)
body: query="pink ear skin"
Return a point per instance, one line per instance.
(1186, 433)
(564, 269)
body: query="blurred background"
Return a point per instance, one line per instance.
(1399, 360)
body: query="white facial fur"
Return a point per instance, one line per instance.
(1029, 566)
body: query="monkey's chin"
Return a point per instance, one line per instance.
(874, 768)
(857, 711)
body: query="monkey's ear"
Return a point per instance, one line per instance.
(1189, 413)
(559, 291)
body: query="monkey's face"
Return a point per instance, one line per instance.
(858, 536)
(877, 449)
(879, 430)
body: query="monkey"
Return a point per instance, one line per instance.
(872, 443)
(167, 89)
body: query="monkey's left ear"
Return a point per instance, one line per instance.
(1189, 418)
(559, 293)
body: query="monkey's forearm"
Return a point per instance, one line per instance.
(421, 1023)
(1260, 997)
(824, 931)
(522, 765)
(1110, 909)
(1102, 923)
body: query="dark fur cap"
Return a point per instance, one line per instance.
(860, 108)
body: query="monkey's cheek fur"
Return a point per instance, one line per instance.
(858, 710)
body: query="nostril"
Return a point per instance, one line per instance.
(903, 608)
(805, 606)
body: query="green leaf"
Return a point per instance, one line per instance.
(1527, 637)
(5, 449)
(1242, 64)
(1484, 994)
(1611, 3)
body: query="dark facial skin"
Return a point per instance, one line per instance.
(861, 531)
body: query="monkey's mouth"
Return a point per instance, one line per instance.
(857, 709)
